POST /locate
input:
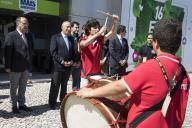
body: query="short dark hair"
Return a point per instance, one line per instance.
(121, 28)
(168, 34)
(91, 23)
(150, 33)
(74, 22)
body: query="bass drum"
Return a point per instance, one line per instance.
(106, 112)
(92, 113)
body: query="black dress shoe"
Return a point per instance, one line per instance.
(25, 108)
(15, 110)
(53, 107)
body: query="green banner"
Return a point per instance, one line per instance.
(9, 4)
(43, 6)
(148, 12)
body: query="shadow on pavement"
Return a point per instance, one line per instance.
(4, 96)
(4, 86)
(29, 85)
(37, 110)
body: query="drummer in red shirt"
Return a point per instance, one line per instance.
(91, 46)
(147, 85)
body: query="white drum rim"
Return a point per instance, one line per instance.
(100, 106)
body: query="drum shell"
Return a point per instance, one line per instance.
(116, 105)
(109, 108)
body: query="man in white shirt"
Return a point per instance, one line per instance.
(62, 52)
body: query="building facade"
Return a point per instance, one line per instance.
(45, 18)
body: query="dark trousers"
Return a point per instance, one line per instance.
(76, 76)
(59, 81)
(117, 70)
(18, 83)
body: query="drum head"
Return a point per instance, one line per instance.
(81, 113)
(96, 77)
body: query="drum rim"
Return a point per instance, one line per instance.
(98, 104)
(100, 81)
(103, 77)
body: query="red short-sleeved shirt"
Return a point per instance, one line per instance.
(148, 87)
(90, 57)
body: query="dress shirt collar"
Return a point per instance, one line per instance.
(20, 33)
(119, 37)
(63, 35)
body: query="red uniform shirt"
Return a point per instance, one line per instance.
(148, 87)
(90, 57)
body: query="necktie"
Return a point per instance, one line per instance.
(24, 39)
(26, 44)
(66, 42)
(121, 42)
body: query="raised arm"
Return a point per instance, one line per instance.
(91, 38)
(114, 88)
(112, 31)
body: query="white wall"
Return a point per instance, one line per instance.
(129, 20)
(83, 10)
(187, 32)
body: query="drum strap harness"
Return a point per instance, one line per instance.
(172, 86)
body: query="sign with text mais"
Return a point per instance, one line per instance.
(28, 5)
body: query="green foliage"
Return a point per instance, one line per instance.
(136, 9)
(137, 42)
(178, 53)
(174, 13)
(167, 9)
(143, 20)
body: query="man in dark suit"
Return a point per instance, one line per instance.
(62, 51)
(17, 57)
(119, 52)
(1, 52)
(76, 68)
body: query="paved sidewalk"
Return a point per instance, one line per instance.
(36, 97)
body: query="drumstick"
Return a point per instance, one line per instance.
(106, 21)
(105, 13)
(105, 24)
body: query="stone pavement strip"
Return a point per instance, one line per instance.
(42, 116)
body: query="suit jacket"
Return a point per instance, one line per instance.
(117, 52)
(76, 49)
(60, 52)
(17, 52)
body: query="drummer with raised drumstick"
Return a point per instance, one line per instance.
(152, 82)
(91, 46)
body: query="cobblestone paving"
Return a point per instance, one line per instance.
(42, 116)
(37, 98)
